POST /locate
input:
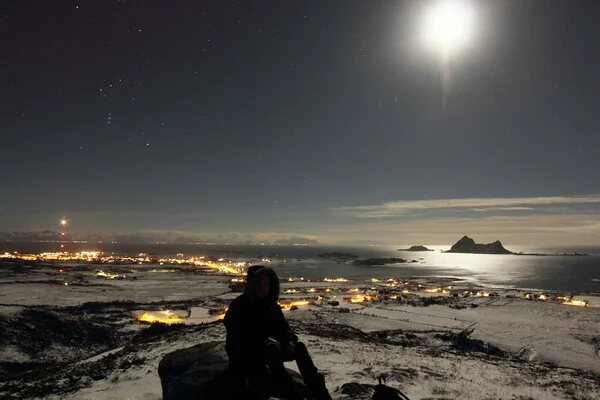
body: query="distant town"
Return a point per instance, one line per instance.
(377, 290)
(219, 264)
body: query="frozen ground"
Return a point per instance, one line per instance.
(78, 284)
(80, 341)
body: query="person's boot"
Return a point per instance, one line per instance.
(317, 388)
(259, 391)
(290, 389)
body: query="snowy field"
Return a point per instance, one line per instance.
(73, 335)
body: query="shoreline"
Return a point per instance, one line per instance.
(554, 273)
(362, 328)
(92, 274)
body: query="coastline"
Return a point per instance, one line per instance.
(514, 339)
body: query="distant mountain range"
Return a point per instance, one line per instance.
(141, 238)
(38, 236)
(361, 242)
(296, 241)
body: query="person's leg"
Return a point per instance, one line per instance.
(279, 374)
(258, 381)
(313, 379)
(306, 366)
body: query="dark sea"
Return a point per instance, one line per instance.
(550, 271)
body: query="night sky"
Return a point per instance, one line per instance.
(320, 119)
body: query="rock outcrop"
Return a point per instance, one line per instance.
(468, 245)
(416, 248)
(202, 372)
(339, 256)
(379, 261)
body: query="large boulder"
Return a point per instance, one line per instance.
(202, 372)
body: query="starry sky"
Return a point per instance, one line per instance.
(315, 119)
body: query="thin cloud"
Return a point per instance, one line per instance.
(490, 209)
(536, 229)
(404, 208)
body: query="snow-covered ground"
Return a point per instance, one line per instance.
(543, 331)
(427, 371)
(499, 347)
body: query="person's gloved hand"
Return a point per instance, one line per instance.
(291, 348)
(289, 351)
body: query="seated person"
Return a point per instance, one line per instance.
(259, 340)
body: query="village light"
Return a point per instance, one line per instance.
(335, 280)
(287, 305)
(573, 302)
(165, 317)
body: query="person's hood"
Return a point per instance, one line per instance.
(253, 279)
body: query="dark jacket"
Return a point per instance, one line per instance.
(251, 321)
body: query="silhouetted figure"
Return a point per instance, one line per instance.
(259, 340)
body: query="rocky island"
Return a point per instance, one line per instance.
(348, 258)
(468, 245)
(339, 256)
(416, 248)
(380, 261)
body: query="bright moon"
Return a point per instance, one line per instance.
(449, 24)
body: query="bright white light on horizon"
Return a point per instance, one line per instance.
(449, 24)
(64, 222)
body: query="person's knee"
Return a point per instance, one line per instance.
(273, 351)
(300, 349)
(300, 346)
